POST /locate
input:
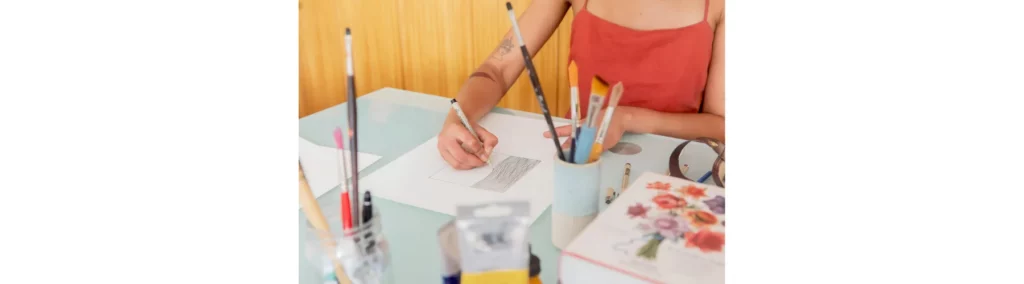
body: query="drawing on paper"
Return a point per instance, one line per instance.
(692, 217)
(504, 172)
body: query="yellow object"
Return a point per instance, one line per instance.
(535, 280)
(595, 151)
(496, 277)
(598, 87)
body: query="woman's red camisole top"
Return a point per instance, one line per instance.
(663, 70)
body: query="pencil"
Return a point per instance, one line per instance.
(312, 210)
(625, 178)
(352, 132)
(595, 151)
(465, 122)
(574, 107)
(535, 81)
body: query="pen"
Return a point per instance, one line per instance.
(535, 81)
(353, 146)
(367, 216)
(465, 122)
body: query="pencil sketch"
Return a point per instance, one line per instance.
(504, 172)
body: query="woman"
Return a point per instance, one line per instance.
(668, 54)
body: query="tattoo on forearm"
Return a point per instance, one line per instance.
(504, 48)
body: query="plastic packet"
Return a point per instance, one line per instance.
(493, 248)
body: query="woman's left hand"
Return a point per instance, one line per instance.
(615, 129)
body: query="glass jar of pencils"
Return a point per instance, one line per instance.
(360, 254)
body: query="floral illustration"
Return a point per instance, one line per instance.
(705, 240)
(669, 201)
(637, 210)
(701, 219)
(686, 214)
(665, 227)
(659, 185)
(716, 205)
(692, 191)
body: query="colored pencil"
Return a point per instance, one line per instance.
(704, 177)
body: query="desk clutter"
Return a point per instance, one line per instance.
(663, 229)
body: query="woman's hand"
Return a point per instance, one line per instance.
(458, 147)
(615, 129)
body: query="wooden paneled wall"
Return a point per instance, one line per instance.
(427, 46)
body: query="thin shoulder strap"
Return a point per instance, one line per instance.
(706, 4)
(585, 2)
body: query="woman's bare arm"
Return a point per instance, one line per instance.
(709, 123)
(495, 76)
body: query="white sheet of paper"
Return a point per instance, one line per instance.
(523, 157)
(320, 164)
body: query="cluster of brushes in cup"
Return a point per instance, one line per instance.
(598, 90)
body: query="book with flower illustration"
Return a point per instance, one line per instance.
(660, 230)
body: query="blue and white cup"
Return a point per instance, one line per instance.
(577, 195)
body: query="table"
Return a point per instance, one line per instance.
(392, 122)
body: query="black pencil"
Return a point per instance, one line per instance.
(535, 81)
(354, 147)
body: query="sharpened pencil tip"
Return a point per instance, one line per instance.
(454, 101)
(508, 5)
(348, 31)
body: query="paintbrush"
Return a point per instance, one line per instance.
(312, 210)
(346, 205)
(353, 146)
(598, 88)
(574, 108)
(598, 147)
(585, 138)
(535, 81)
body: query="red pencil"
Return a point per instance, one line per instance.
(346, 205)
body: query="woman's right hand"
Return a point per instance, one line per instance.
(458, 147)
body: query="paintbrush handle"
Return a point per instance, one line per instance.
(316, 218)
(540, 99)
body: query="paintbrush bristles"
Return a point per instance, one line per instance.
(598, 86)
(616, 95)
(573, 74)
